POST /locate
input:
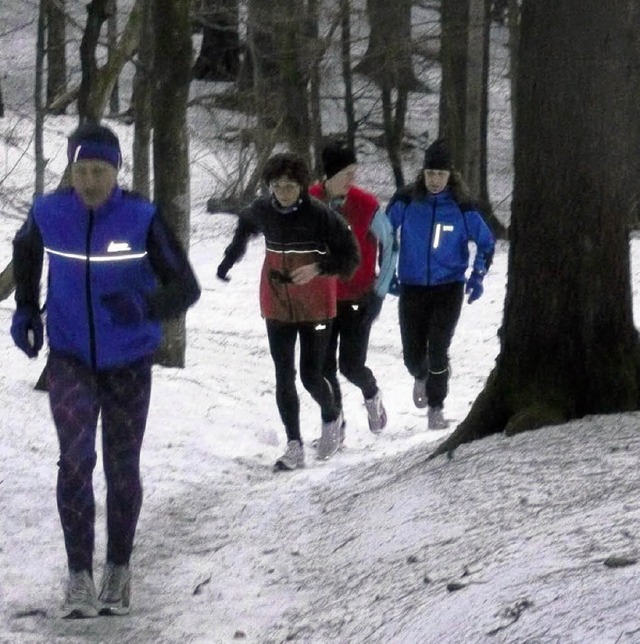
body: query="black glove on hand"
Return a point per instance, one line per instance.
(126, 308)
(27, 331)
(223, 268)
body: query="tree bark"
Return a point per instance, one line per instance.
(170, 142)
(569, 346)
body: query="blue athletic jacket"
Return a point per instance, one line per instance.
(121, 247)
(434, 234)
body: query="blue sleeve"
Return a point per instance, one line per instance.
(483, 238)
(381, 229)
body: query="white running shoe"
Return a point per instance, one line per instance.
(115, 590)
(376, 413)
(80, 600)
(436, 418)
(292, 459)
(331, 438)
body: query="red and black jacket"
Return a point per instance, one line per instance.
(311, 232)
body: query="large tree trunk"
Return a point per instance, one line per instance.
(568, 342)
(170, 142)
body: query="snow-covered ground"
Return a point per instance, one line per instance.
(530, 539)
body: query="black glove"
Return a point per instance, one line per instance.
(27, 331)
(223, 268)
(126, 308)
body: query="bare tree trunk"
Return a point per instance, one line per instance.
(464, 53)
(315, 55)
(569, 346)
(347, 74)
(38, 99)
(1, 101)
(475, 157)
(388, 57)
(56, 50)
(219, 58)
(142, 104)
(112, 43)
(170, 142)
(281, 72)
(96, 16)
(453, 60)
(393, 118)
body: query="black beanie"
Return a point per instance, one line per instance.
(94, 141)
(437, 156)
(337, 156)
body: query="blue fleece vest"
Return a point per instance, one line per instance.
(93, 253)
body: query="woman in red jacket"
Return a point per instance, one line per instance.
(307, 245)
(359, 297)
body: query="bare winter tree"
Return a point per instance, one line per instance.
(172, 70)
(463, 112)
(388, 62)
(568, 344)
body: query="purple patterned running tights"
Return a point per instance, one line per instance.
(77, 395)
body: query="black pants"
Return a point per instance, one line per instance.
(77, 397)
(428, 318)
(352, 328)
(314, 338)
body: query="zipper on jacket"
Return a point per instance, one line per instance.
(90, 319)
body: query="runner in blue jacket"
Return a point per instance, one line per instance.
(115, 271)
(433, 223)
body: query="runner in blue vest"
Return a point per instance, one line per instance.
(115, 271)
